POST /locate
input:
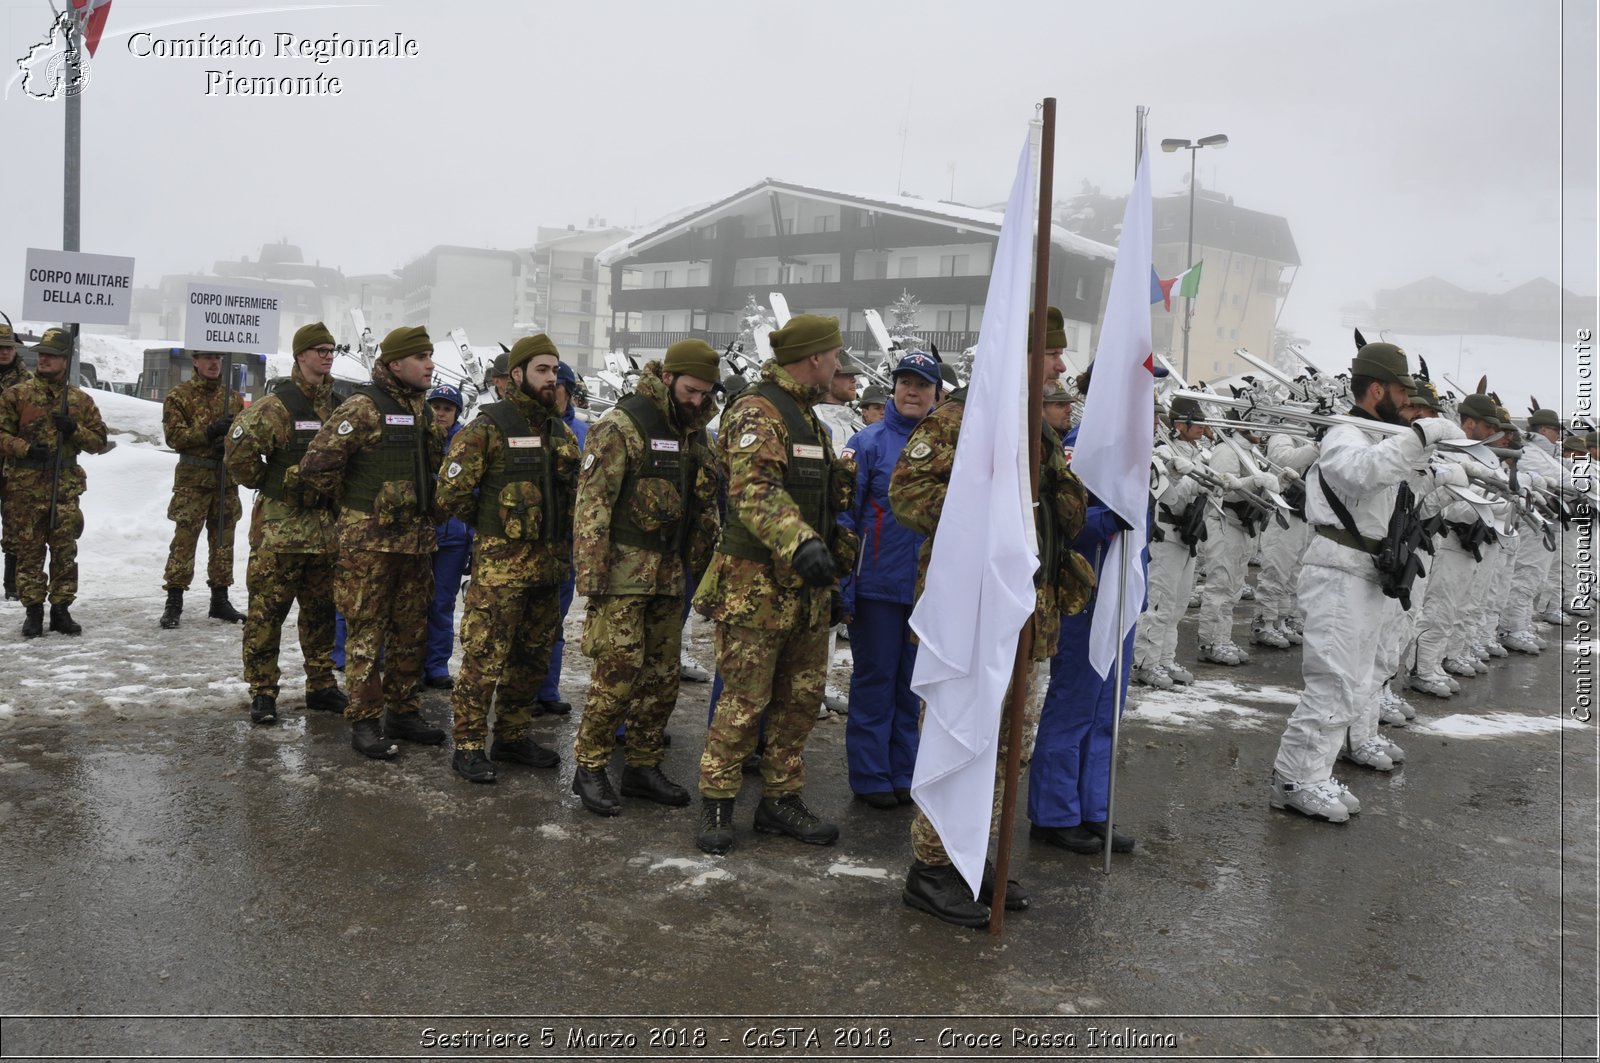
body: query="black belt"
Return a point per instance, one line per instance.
(213, 464)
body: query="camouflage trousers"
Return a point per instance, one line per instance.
(926, 845)
(275, 582)
(781, 673)
(634, 640)
(506, 637)
(384, 598)
(28, 536)
(192, 510)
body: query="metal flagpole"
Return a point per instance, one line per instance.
(1022, 663)
(71, 168)
(1118, 691)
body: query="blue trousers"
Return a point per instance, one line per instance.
(449, 566)
(338, 641)
(880, 733)
(1069, 778)
(551, 690)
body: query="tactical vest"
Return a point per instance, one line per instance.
(805, 478)
(666, 457)
(304, 423)
(1052, 537)
(400, 454)
(52, 439)
(524, 457)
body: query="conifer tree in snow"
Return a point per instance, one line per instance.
(903, 320)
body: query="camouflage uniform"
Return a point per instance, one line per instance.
(516, 489)
(293, 542)
(1063, 582)
(771, 628)
(645, 507)
(25, 420)
(187, 410)
(10, 375)
(384, 578)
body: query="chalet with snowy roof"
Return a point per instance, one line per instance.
(830, 252)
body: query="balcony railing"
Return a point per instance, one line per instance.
(949, 343)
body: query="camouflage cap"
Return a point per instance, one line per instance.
(528, 348)
(56, 341)
(8, 338)
(1383, 361)
(403, 343)
(1479, 408)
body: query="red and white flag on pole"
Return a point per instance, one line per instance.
(1117, 432)
(93, 14)
(979, 591)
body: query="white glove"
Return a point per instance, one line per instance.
(1433, 429)
(1449, 475)
(1234, 483)
(1265, 481)
(1181, 466)
(1289, 476)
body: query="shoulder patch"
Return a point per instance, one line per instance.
(847, 454)
(345, 428)
(454, 470)
(588, 461)
(238, 430)
(747, 440)
(920, 450)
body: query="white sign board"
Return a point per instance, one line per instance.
(231, 320)
(71, 286)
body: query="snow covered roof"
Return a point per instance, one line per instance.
(975, 218)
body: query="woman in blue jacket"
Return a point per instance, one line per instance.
(881, 729)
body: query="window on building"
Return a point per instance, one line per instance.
(825, 223)
(585, 333)
(1077, 291)
(763, 228)
(655, 322)
(947, 320)
(586, 300)
(953, 265)
(763, 275)
(1233, 334)
(663, 278)
(1216, 367)
(1238, 265)
(788, 226)
(880, 269)
(821, 274)
(588, 268)
(697, 276)
(908, 266)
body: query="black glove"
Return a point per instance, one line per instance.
(39, 452)
(66, 424)
(814, 563)
(217, 429)
(836, 609)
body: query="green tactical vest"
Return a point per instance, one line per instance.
(401, 454)
(524, 457)
(304, 423)
(666, 457)
(805, 478)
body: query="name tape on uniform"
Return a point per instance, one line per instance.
(808, 450)
(664, 444)
(307, 426)
(400, 418)
(522, 442)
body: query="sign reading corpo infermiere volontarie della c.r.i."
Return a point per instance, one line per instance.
(320, 51)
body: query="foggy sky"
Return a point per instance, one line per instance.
(1400, 140)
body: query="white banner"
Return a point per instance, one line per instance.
(231, 320)
(77, 288)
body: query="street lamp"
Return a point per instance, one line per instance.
(1215, 140)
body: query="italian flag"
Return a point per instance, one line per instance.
(1187, 284)
(93, 15)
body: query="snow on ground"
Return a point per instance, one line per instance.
(1496, 724)
(1212, 703)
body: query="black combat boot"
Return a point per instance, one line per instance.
(939, 890)
(61, 620)
(525, 751)
(174, 610)
(789, 815)
(263, 709)
(716, 825)
(650, 784)
(222, 609)
(1016, 899)
(553, 708)
(327, 699)
(33, 622)
(366, 737)
(472, 765)
(593, 788)
(11, 577)
(411, 727)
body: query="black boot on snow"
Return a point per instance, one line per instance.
(33, 622)
(174, 609)
(61, 620)
(11, 577)
(222, 609)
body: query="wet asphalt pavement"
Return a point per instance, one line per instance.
(185, 865)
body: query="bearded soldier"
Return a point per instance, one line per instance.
(12, 371)
(196, 415)
(377, 454)
(647, 517)
(294, 545)
(512, 474)
(34, 436)
(772, 587)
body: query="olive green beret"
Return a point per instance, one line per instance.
(403, 343)
(805, 335)
(528, 348)
(1479, 408)
(1383, 361)
(312, 335)
(697, 358)
(56, 341)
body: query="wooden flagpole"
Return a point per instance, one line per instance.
(1022, 664)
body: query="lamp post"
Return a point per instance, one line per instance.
(1215, 140)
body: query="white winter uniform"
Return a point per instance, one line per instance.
(1440, 626)
(1226, 551)
(1281, 547)
(1170, 579)
(1531, 565)
(1345, 607)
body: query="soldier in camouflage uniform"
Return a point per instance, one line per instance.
(772, 587)
(512, 474)
(32, 428)
(377, 454)
(13, 370)
(293, 543)
(196, 416)
(1063, 583)
(647, 505)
